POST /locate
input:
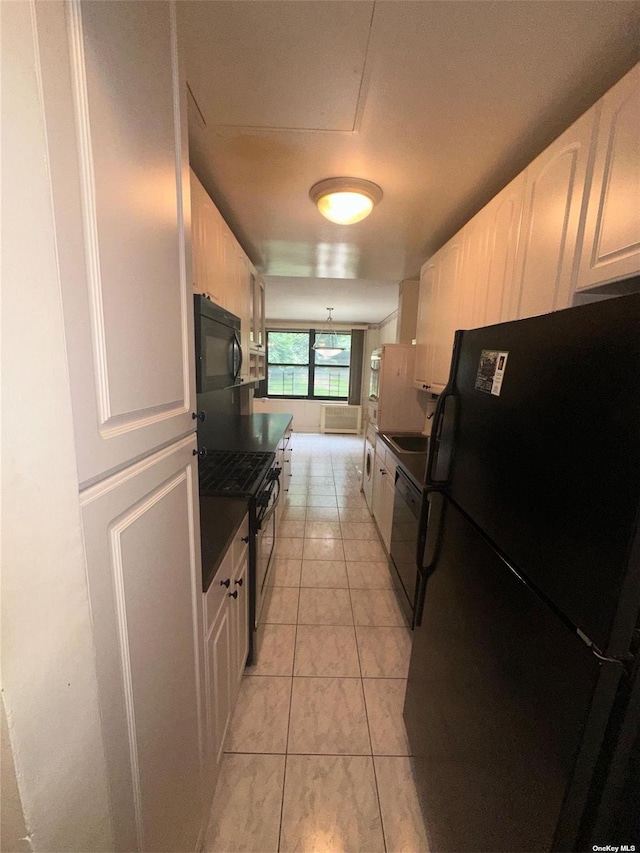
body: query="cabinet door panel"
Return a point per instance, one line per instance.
(504, 229)
(386, 522)
(445, 311)
(378, 487)
(474, 273)
(140, 532)
(240, 613)
(220, 683)
(611, 247)
(118, 165)
(424, 326)
(554, 194)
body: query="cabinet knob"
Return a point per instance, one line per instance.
(226, 583)
(240, 581)
(245, 538)
(200, 416)
(233, 594)
(382, 471)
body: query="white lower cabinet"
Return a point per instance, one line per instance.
(283, 460)
(383, 493)
(143, 565)
(226, 618)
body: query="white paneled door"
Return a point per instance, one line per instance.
(114, 104)
(146, 601)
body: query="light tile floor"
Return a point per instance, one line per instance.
(317, 757)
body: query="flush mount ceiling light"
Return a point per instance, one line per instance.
(327, 343)
(345, 200)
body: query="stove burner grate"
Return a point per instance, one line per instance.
(232, 473)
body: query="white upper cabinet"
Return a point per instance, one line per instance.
(445, 310)
(553, 201)
(116, 125)
(503, 213)
(208, 249)
(611, 247)
(474, 272)
(440, 312)
(490, 242)
(223, 272)
(424, 326)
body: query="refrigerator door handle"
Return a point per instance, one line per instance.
(441, 456)
(430, 529)
(444, 421)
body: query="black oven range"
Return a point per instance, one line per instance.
(256, 477)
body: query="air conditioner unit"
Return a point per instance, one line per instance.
(334, 418)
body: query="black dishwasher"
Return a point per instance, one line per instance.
(404, 541)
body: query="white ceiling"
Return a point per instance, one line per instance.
(440, 102)
(353, 300)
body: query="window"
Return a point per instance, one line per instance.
(295, 369)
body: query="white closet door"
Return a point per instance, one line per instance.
(114, 104)
(145, 584)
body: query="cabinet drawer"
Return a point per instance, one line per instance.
(217, 593)
(391, 465)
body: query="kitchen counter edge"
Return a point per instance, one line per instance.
(260, 432)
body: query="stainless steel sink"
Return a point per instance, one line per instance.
(414, 443)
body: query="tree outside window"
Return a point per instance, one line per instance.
(295, 369)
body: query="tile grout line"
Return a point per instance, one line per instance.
(286, 743)
(366, 713)
(353, 626)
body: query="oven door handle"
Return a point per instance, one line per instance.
(268, 511)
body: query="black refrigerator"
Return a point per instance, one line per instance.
(523, 697)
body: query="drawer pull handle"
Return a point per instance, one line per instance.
(245, 538)
(240, 581)
(233, 594)
(226, 583)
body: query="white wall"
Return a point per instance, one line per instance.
(48, 669)
(13, 833)
(388, 329)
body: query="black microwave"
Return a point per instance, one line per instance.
(218, 350)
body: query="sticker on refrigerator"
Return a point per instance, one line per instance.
(491, 371)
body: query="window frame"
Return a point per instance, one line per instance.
(311, 368)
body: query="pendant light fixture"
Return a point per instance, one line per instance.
(345, 200)
(327, 339)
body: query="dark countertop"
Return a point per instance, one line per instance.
(259, 432)
(413, 463)
(220, 519)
